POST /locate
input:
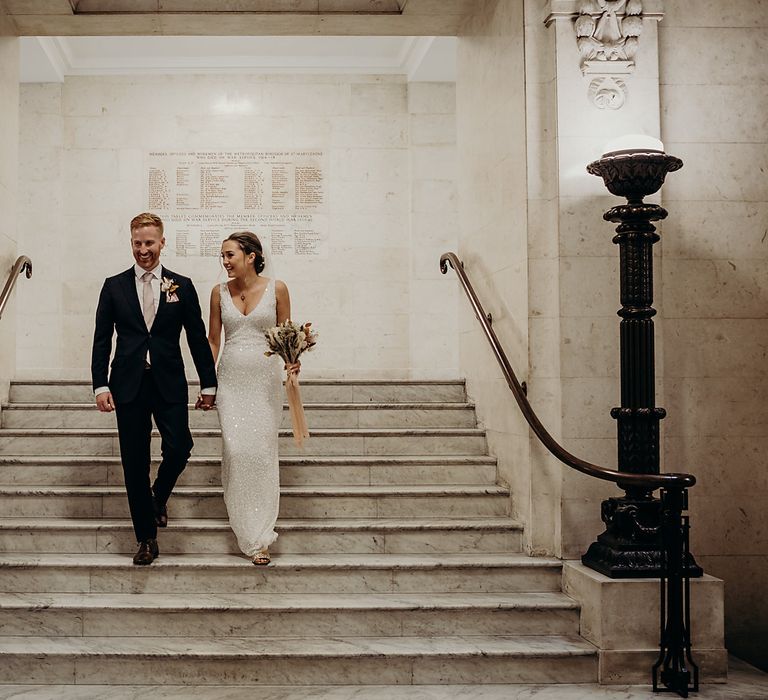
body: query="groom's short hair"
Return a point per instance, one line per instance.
(146, 219)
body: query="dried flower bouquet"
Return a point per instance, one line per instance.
(289, 340)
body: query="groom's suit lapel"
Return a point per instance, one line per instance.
(128, 287)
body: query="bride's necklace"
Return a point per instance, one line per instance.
(242, 294)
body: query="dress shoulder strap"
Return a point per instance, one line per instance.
(273, 293)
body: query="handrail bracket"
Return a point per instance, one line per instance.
(22, 264)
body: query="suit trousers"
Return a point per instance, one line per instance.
(134, 427)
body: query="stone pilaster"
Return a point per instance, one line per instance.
(582, 305)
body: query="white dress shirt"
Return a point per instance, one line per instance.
(157, 273)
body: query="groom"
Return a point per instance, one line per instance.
(148, 305)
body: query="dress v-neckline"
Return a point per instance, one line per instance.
(258, 303)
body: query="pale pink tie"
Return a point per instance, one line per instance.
(148, 299)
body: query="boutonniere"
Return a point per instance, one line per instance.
(169, 286)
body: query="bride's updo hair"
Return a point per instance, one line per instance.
(250, 243)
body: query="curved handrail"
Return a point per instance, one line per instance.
(22, 264)
(651, 481)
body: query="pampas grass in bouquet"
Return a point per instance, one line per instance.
(289, 340)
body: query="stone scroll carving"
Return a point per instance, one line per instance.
(607, 34)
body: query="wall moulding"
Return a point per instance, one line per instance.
(569, 10)
(607, 34)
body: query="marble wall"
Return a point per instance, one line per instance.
(544, 362)
(9, 148)
(390, 185)
(490, 99)
(715, 248)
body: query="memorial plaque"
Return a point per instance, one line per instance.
(203, 196)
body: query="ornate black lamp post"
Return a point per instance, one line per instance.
(631, 544)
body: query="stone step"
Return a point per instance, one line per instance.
(469, 572)
(360, 441)
(295, 501)
(397, 561)
(198, 661)
(312, 391)
(55, 470)
(350, 536)
(283, 615)
(326, 415)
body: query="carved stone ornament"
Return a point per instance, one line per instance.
(607, 92)
(607, 34)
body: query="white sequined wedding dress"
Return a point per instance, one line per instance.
(249, 399)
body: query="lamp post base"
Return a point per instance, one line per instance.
(631, 545)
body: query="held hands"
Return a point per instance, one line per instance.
(104, 402)
(205, 401)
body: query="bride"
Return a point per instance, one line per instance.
(249, 396)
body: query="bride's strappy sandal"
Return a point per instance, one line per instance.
(262, 558)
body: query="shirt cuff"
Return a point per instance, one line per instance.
(209, 391)
(100, 390)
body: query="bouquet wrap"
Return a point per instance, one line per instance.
(298, 419)
(289, 341)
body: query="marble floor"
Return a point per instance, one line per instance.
(744, 683)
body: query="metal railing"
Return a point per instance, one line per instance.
(674, 669)
(652, 481)
(22, 264)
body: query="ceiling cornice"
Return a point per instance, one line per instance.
(58, 54)
(417, 51)
(44, 57)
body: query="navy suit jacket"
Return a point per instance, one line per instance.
(119, 310)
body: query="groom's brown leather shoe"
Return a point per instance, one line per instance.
(148, 552)
(161, 512)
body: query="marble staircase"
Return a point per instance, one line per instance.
(397, 561)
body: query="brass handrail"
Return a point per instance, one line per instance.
(651, 481)
(22, 264)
